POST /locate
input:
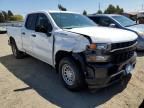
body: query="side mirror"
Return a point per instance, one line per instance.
(112, 25)
(49, 29)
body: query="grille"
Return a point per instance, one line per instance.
(121, 57)
(113, 70)
(122, 45)
(116, 78)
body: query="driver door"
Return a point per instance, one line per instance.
(42, 41)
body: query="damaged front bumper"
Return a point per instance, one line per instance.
(103, 75)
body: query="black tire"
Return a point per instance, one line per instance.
(17, 54)
(78, 82)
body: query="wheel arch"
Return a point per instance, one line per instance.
(78, 58)
(59, 55)
(11, 39)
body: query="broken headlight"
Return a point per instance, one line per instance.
(97, 52)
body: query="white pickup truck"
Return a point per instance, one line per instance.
(82, 52)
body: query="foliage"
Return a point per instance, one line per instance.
(2, 18)
(5, 15)
(84, 12)
(60, 7)
(99, 12)
(10, 13)
(9, 16)
(119, 10)
(113, 10)
(16, 18)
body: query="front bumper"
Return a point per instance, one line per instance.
(103, 75)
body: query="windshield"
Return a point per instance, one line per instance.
(71, 20)
(124, 21)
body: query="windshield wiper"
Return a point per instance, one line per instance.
(67, 28)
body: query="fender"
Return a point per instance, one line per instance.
(80, 58)
(70, 42)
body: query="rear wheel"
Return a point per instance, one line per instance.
(18, 54)
(71, 74)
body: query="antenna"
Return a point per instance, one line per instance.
(99, 6)
(59, 3)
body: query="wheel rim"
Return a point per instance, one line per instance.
(68, 74)
(14, 50)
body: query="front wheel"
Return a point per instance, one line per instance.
(71, 74)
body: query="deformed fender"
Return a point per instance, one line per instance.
(80, 58)
(70, 42)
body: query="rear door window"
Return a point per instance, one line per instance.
(31, 21)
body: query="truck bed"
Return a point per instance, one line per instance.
(15, 32)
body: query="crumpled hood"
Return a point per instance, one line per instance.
(138, 28)
(105, 34)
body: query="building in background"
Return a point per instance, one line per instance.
(137, 16)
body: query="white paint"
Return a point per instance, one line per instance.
(104, 34)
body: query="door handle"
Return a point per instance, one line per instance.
(23, 33)
(33, 35)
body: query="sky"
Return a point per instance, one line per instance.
(25, 6)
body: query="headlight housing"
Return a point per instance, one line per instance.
(102, 46)
(97, 52)
(98, 46)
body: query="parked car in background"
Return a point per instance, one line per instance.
(82, 52)
(122, 22)
(3, 29)
(140, 17)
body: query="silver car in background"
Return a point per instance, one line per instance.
(122, 22)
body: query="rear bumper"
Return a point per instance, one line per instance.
(100, 76)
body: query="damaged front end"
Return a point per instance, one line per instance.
(106, 64)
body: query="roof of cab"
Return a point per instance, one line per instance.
(51, 11)
(62, 12)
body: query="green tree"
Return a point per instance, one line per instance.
(60, 7)
(5, 15)
(119, 10)
(10, 13)
(110, 9)
(16, 18)
(84, 12)
(2, 18)
(99, 12)
(113, 10)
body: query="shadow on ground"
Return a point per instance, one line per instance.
(43, 78)
(140, 53)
